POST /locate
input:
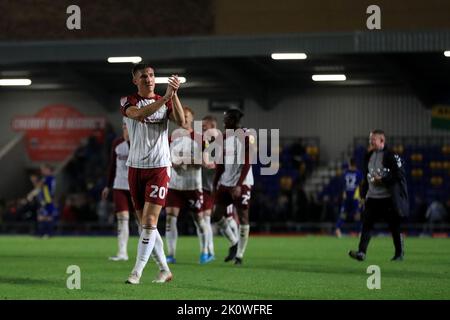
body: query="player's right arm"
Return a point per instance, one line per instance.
(33, 193)
(139, 114)
(37, 185)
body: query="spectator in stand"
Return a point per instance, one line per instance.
(436, 214)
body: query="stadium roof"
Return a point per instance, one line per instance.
(239, 66)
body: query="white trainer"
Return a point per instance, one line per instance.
(119, 258)
(133, 278)
(163, 276)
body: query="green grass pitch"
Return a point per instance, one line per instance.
(311, 267)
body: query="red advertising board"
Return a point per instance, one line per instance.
(56, 131)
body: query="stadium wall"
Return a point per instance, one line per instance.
(290, 16)
(26, 103)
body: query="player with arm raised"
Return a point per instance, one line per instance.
(147, 115)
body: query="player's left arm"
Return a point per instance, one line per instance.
(33, 193)
(248, 141)
(249, 147)
(394, 164)
(177, 114)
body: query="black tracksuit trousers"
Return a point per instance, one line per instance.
(375, 211)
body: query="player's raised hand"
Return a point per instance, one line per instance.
(169, 92)
(174, 82)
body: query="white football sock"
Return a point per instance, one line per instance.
(227, 232)
(244, 230)
(171, 235)
(158, 253)
(209, 235)
(145, 248)
(233, 225)
(122, 236)
(202, 230)
(199, 234)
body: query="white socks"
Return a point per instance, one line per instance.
(171, 235)
(145, 247)
(233, 225)
(228, 233)
(158, 253)
(122, 236)
(244, 230)
(209, 235)
(201, 233)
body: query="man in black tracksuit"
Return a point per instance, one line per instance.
(385, 192)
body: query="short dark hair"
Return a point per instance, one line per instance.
(377, 131)
(352, 162)
(210, 118)
(139, 67)
(234, 112)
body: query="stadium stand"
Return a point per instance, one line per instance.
(305, 194)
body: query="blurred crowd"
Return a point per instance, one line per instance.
(279, 198)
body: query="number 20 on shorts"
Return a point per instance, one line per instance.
(158, 192)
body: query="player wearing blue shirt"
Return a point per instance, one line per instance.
(351, 199)
(47, 212)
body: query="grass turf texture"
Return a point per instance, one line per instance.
(310, 267)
